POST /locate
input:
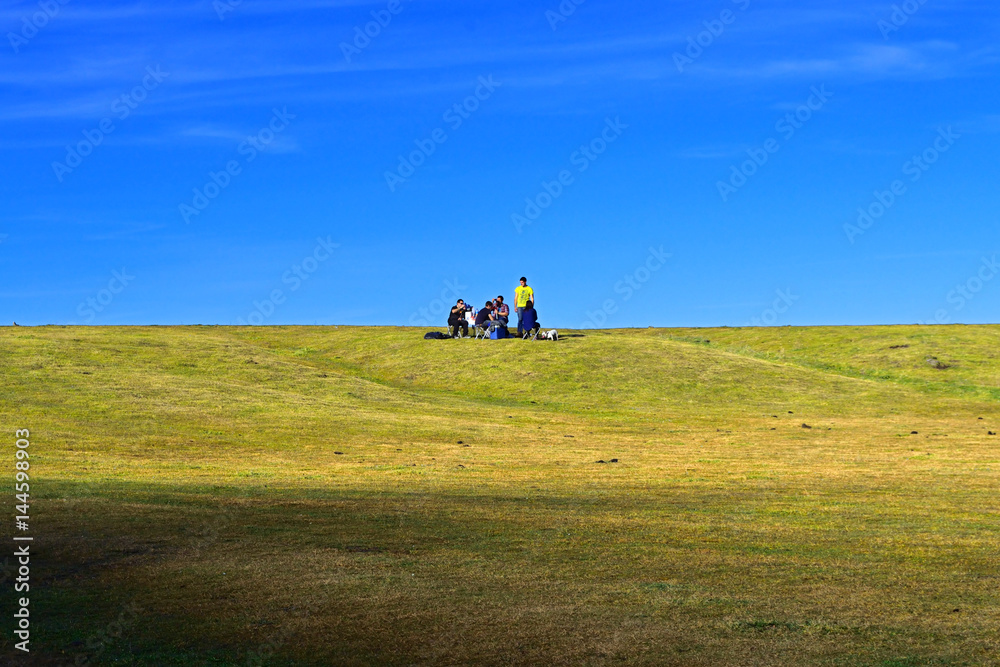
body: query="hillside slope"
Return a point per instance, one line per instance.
(362, 496)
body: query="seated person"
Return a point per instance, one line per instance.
(485, 315)
(496, 321)
(502, 311)
(457, 320)
(530, 318)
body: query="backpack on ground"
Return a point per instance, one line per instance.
(435, 335)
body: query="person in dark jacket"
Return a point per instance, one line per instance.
(457, 320)
(484, 316)
(530, 318)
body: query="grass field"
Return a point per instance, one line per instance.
(348, 496)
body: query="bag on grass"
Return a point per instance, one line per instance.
(435, 335)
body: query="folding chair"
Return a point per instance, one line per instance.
(531, 335)
(483, 332)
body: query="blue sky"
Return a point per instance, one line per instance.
(651, 113)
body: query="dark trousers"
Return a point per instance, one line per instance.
(462, 324)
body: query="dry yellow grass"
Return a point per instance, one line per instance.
(193, 471)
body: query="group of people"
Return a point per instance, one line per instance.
(496, 313)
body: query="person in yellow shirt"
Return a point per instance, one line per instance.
(522, 295)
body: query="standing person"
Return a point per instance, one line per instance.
(522, 295)
(457, 320)
(502, 312)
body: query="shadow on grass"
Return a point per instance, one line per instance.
(319, 575)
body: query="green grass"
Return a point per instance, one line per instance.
(770, 505)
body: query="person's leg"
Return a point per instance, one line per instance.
(465, 327)
(520, 320)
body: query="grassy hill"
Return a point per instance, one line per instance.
(310, 495)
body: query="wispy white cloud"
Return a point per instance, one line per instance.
(710, 152)
(850, 148)
(210, 68)
(282, 143)
(212, 132)
(985, 124)
(129, 231)
(80, 13)
(860, 62)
